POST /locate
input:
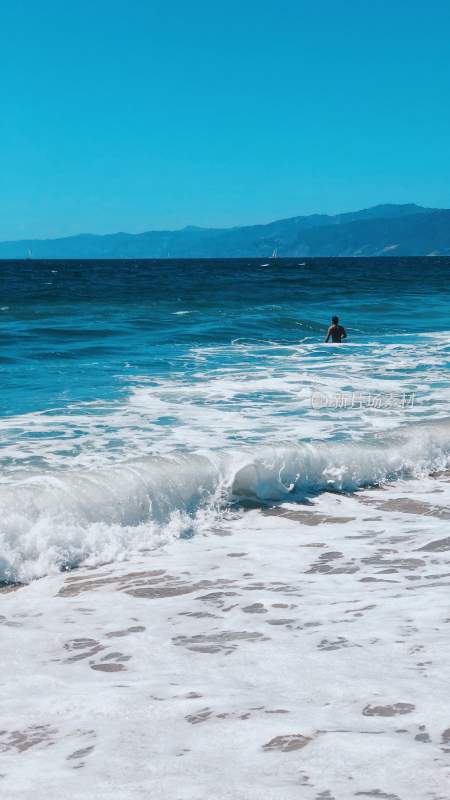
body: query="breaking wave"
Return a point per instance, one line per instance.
(58, 520)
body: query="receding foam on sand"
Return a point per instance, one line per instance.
(303, 655)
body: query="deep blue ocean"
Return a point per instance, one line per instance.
(186, 379)
(85, 331)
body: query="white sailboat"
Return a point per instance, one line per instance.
(275, 253)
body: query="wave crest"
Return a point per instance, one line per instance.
(61, 519)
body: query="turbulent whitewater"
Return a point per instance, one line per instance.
(224, 544)
(147, 401)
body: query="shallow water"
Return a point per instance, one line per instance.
(143, 400)
(291, 651)
(259, 523)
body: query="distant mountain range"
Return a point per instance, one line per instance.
(385, 230)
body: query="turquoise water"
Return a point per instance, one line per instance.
(75, 332)
(199, 374)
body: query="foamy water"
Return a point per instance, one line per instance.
(298, 648)
(230, 539)
(135, 410)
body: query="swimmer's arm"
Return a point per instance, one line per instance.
(344, 334)
(328, 335)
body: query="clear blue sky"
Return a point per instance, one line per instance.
(156, 114)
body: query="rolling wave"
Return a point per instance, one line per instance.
(58, 520)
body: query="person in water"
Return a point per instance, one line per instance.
(336, 332)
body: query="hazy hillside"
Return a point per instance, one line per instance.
(382, 230)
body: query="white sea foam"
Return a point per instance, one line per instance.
(97, 482)
(246, 392)
(308, 649)
(61, 519)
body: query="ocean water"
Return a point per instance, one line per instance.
(146, 401)
(224, 546)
